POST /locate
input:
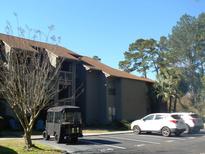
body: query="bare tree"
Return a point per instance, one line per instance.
(28, 83)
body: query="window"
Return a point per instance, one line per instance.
(158, 117)
(57, 117)
(175, 116)
(67, 66)
(65, 91)
(150, 117)
(50, 116)
(194, 115)
(72, 117)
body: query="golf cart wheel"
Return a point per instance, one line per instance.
(136, 130)
(74, 140)
(45, 135)
(166, 131)
(57, 138)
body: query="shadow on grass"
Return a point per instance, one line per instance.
(6, 150)
(41, 150)
(16, 133)
(36, 147)
(10, 134)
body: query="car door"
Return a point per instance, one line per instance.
(147, 123)
(157, 122)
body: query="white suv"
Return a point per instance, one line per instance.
(192, 120)
(165, 123)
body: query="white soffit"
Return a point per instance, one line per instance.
(7, 47)
(86, 67)
(106, 74)
(52, 57)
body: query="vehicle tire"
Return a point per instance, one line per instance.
(45, 135)
(178, 133)
(57, 138)
(136, 130)
(166, 131)
(74, 140)
(197, 130)
(188, 129)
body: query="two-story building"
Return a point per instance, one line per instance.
(103, 93)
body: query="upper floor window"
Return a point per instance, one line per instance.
(67, 66)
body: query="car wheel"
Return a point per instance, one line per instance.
(46, 136)
(188, 129)
(136, 129)
(178, 133)
(197, 130)
(166, 131)
(57, 138)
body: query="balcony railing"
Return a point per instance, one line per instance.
(65, 76)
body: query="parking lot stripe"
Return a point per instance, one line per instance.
(191, 137)
(122, 138)
(162, 137)
(169, 141)
(139, 145)
(113, 146)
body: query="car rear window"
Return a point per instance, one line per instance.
(194, 115)
(175, 116)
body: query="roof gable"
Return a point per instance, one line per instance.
(26, 44)
(90, 63)
(111, 71)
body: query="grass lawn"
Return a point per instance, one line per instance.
(15, 146)
(96, 131)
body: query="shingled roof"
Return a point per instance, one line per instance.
(26, 44)
(111, 71)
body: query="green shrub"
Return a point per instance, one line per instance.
(123, 124)
(3, 123)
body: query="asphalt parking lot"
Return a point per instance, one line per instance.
(140, 144)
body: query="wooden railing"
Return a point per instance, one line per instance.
(65, 76)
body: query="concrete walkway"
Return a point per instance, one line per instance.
(36, 137)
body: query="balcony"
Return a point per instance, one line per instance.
(65, 76)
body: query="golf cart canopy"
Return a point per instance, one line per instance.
(68, 108)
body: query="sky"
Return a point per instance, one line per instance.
(102, 28)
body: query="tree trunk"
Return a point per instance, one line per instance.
(27, 139)
(175, 104)
(170, 103)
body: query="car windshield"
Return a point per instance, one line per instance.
(175, 116)
(73, 117)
